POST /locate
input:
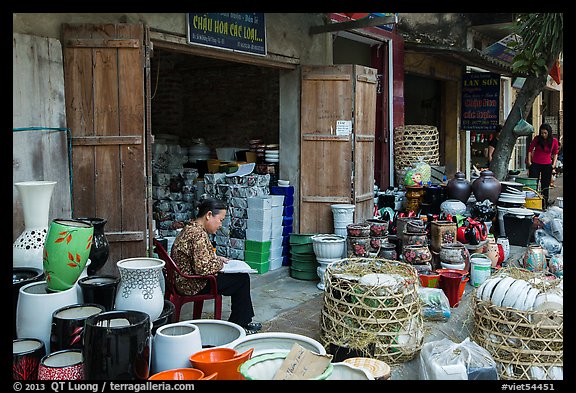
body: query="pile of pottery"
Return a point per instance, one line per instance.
(358, 240)
(415, 249)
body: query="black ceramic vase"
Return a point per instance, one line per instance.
(459, 188)
(486, 187)
(100, 246)
(117, 346)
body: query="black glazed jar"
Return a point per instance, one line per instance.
(486, 187)
(459, 188)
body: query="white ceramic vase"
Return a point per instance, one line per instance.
(28, 247)
(139, 287)
(173, 344)
(505, 243)
(321, 270)
(35, 307)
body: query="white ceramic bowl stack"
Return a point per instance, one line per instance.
(272, 156)
(272, 342)
(522, 295)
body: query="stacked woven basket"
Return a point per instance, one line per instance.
(413, 144)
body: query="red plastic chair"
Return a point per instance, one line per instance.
(170, 293)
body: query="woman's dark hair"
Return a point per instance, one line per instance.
(210, 204)
(498, 127)
(548, 141)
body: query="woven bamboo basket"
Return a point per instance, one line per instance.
(526, 345)
(412, 144)
(386, 318)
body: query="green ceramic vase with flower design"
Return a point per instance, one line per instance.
(66, 251)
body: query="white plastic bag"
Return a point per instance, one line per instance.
(446, 360)
(435, 304)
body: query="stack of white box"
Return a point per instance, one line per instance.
(258, 233)
(276, 237)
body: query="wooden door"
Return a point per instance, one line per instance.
(104, 71)
(336, 160)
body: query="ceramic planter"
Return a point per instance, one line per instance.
(416, 254)
(358, 230)
(388, 251)
(378, 228)
(173, 344)
(225, 362)
(117, 346)
(35, 307)
(65, 365)
(20, 277)
(328, 246)
(140, 287)
(358, 246)
(414, 239)
(35, 197)
(100, 246)
(26, 356)
(66, 252)
(218, 333)
(68, 325)
(534, 258)
(505, 243)
(376, 243)
(442, 232)
(99, 289)
(454, 254)
(270, 342)
(453, 207)
(416, 226)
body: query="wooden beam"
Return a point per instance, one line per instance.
(106, 140)
(356, 24)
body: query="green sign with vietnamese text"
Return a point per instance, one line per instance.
(239, 32)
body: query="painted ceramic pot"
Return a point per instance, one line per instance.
(416, 254)
(66, 252)
(414, 238)
(414, 198)
(100, 246)
(493, 253)
(68, 325)
(358, 247)
(26, 356)
(455, 254)
(442, 232)
(376, 243)
(453, 207)
(358, 230)
(534, 258)
(140, 287)
(556, 265)
(416, 226)
(65, 365)
(378, 228)
(505, 243)
(388, 251)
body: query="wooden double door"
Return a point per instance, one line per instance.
(337, 143)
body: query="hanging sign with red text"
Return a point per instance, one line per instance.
(480, 101)
(238, 32)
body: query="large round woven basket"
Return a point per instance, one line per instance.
(521, 348)
(385, 318)
(412, 144)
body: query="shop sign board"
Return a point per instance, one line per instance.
(238, 32)
(480, 101)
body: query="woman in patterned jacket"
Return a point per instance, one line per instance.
(193, 252)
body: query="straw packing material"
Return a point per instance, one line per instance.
(373, 302)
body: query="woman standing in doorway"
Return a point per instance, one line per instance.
(542, 157)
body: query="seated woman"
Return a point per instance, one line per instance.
(193, 252)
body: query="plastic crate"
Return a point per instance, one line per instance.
(275, 263)
(260, 267)
(254, 246)
(256, 257)
(288, 211)
(260, 202)
(277, 190)
(277, 200)
(259, 235)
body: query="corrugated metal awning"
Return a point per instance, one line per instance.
(469, 57)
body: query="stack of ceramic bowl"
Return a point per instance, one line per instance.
(272, 156)
(513, 196)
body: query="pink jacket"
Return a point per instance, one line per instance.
(543, 156)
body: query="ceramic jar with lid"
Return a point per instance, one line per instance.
(459, 188)
(486, 187)
(416, 254)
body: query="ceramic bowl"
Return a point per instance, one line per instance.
(485, 289)
(521, 297)
(218, 333)
(530, 298)
(181, 374)
(264, 367)
(513, 292)
(500, 290)
(345, 371)
(275, 342)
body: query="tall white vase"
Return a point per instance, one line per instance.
(35, 197)
(139, 287)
